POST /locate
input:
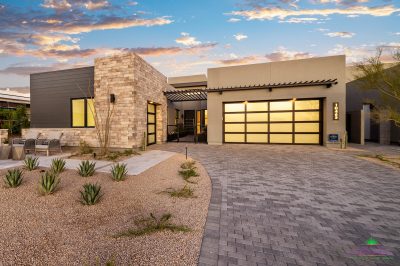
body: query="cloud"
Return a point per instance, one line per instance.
(302, 20)
(187, 40)
(240, 36)
(341, 34)
(26, 70)
(270, 13)
(282, 54)
(359, 53)
(340, 2)
(239, 60)
(73, 4)
(233, 20)
(160, 51)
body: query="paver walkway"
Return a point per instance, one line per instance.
(135, 164)
(295, 205)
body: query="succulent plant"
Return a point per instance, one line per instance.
(49, 182)
(13, 178)
(31, 163)
(86, 168)
(90, 194)
(119, 172)
(57, 165)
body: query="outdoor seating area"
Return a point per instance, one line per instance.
(34, 142)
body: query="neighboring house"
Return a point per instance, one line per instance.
(361, 124)
(290, 102)
(10, 99)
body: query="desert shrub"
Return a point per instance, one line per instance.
(91, 194)
(188, 165)
(128, 152)
(119, 172)
(185, 192)
(154, 224)
(31, 163)
(113, 156)
(57, 165)
(13, 178)
(49, 182)
(86, 168)
(84, 148)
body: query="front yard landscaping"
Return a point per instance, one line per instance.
(48, 219)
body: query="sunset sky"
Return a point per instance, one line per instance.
(182, 37)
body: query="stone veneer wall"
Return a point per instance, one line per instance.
(134, 82)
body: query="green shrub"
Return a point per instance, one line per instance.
(86, 168)
(13, 178)
(185, 192)
(152, 225)
(31, 163)
(84, 148)
(187, 174)
(128, 152)
(57, 165)
(113, 156)
(49, 182)
(119, 172)
(90, 194)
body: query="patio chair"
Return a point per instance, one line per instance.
(51, 144)
(28, 142)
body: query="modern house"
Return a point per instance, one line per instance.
(10, 99)
(290, 102)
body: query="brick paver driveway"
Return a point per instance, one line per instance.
(296, 205)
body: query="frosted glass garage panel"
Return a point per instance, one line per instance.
(306, 138)
(306, 127)
(257, 117)
(281, 138)
(234, 117)
(234, 107)
(281, 127)
(306, 105)
(257, 138)
(257, 107)
(306, 116)
(151, 129)
(288, 116)
(234, 127)
(151, 108)
(234, 137)
(281, 106)
(257, 127)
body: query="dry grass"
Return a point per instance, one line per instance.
(58, 230)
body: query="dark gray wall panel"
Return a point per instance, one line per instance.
(51, 94)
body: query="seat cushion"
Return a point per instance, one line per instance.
(41, 147)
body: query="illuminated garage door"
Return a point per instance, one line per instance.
(280, 122)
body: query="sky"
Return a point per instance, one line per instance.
(185, 37)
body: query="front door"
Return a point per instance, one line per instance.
(151, 124)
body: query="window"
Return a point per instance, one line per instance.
(82, 113)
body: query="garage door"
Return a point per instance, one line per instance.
(280, 122)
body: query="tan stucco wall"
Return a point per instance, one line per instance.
(187, 79)
(278, 72)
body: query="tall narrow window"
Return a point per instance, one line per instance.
(82, 113)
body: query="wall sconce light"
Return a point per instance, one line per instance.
(112, 98)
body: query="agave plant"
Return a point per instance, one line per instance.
(49, 182)
(13, 177)
(119, 172)
(31, 163)
(86, 168)
(57, 165)
(90, 194)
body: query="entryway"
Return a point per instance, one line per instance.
(151, 124)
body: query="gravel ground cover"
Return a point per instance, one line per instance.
(59, 230)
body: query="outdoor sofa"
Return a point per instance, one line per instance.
(28, 143)
(51, 144)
